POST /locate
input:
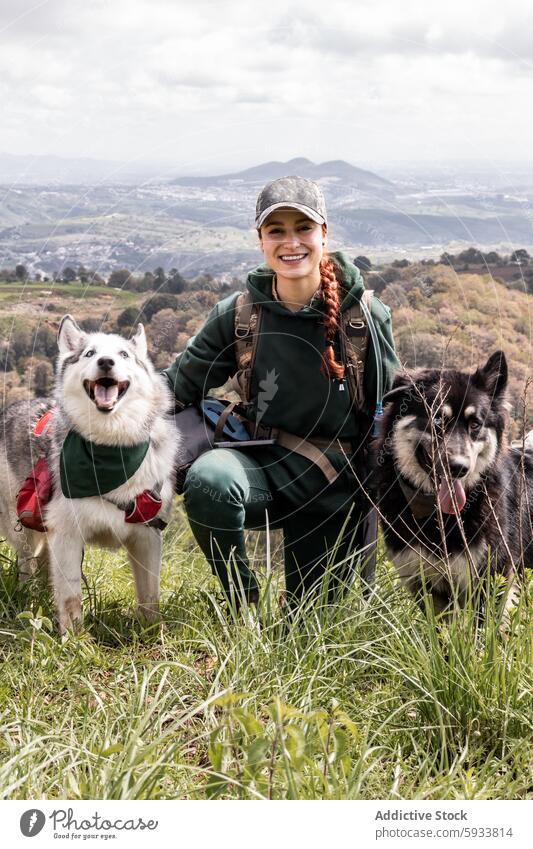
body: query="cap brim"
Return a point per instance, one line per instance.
(307, 211)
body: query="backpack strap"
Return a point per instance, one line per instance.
(247, 329)
(354, 345)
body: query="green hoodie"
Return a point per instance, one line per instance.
(287, 389)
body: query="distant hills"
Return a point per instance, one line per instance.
(335, 169)
(57, 212)
(58, 170)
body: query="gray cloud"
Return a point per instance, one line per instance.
(324, 80)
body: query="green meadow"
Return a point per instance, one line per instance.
(366, 699)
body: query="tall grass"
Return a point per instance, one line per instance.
(364, 699)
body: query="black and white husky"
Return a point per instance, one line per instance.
(107, 393)
(454, 499)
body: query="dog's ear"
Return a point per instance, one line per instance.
(492, 377)
(139, 340)
(70, 337)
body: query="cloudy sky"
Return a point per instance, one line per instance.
(208, 86)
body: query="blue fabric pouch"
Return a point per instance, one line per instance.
(233, 429)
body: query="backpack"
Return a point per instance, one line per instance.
(353, 337)
(33, 496)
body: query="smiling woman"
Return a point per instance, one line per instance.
(311, 354)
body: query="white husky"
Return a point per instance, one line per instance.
(110, 404)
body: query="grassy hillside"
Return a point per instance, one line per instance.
(440, 317)
(445, 318)
(365, 700)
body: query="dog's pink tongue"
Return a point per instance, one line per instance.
(106, 396)
(446, 496)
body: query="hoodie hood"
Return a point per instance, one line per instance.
(259, 284)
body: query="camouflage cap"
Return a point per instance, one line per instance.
(293, 193)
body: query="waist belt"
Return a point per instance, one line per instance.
(313, 447)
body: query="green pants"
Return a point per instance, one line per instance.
(227, 491)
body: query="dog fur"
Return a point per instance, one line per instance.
(125, 419)
(443, 444)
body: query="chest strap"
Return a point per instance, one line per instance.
(247, 328)
(353, 338)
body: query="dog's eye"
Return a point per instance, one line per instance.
(124, 354)
(90, 353)
(474, 426)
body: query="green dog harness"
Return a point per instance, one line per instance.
(88, 469)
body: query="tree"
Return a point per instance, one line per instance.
(157, 303)
(471, 256)
(21, 272)
(38, 376)
(389, 275)
(148, 281)
(520, 256)
(45, 341)
(69, 275)
(129, 317)
(94, 278)
(21, 342)
(362, 263)
(7, 274)
(119, 278)
(92, 324)
(159, 279)
(175, 283)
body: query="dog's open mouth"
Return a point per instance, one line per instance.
(450, 494)
(105, 392)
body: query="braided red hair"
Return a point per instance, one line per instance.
(330, 294)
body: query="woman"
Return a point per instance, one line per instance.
(297, 384)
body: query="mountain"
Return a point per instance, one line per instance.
(336, 170)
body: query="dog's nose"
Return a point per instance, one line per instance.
(105, 363)
(458, 469)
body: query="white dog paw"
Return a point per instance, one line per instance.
(70, 614)
(149, 611)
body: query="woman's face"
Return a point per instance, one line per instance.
(291, 243)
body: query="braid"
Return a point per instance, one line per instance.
(330, 293)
